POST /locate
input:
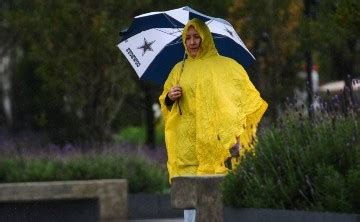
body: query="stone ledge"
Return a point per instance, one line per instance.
(200, 192)
(111, 194)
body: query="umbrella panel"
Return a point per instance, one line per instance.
(161, 66)
(230, 48)
(145, 23)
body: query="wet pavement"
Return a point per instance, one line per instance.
(159, 220)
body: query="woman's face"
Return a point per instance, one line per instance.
(192, 41)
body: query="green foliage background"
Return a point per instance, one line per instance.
(70, 80)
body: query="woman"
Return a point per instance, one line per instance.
(208, 101)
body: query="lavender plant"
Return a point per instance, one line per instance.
(144, 169)
(302, 163)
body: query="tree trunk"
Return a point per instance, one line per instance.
(150, 127)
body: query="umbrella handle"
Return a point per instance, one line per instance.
(178, 103)
(182, 69)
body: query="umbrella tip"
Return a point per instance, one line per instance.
(122, 32)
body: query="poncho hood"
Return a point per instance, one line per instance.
(207, 47)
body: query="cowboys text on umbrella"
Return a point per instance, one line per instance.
(146, 47)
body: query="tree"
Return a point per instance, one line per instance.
(279, 34)
(336, 33)
(70, 79)
(72, 69)
(7, 54)
(333, 36)
(270, 29)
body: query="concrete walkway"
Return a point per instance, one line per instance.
(159, 220)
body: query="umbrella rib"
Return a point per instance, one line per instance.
(209, 21)
(172, 33)
(219, 37)
(175, 43)
(167, 17)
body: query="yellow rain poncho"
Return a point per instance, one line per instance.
(218, 104)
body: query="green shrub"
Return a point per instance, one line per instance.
(137, 135)
(133, 135)
(301, 164)
(142, 175)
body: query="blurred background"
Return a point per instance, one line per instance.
(65, 87)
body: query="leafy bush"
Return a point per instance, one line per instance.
(301, 164)
(142, 175)
(137, 135)
(133, 135)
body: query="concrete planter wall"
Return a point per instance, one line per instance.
(272, 215)
(157, 206)
(151, 206)
(108, 198)
(203, 193)
(109, 201)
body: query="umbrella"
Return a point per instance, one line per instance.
(153, 44)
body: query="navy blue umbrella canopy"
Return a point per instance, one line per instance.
(153, 44)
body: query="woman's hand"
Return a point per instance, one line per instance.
(175, 93)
